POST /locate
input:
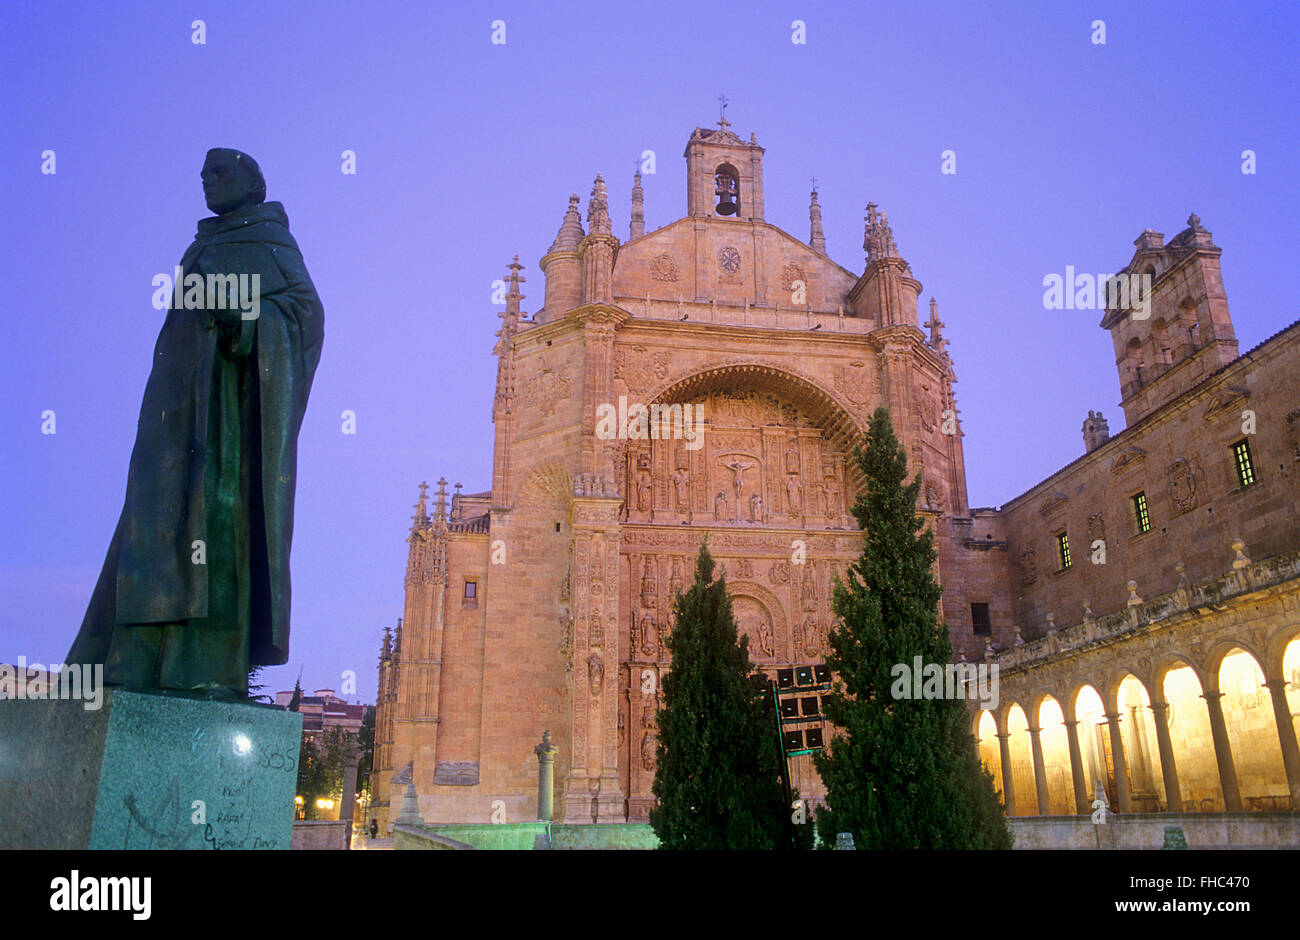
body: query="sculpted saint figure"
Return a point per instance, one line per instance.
(681, 480)
(194, 591)
(648, 634)
(643, 491)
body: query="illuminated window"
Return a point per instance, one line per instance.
(1063, 550)
(1140, 512)
(1245, 467)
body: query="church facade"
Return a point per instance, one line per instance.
(711, 377)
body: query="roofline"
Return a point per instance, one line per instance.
(1133, 428)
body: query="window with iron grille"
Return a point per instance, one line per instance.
(979, 618)
(1063, 550)
(1140, 512)
(1245, 466)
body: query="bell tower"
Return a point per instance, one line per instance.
(724, 174)
(1182, 331)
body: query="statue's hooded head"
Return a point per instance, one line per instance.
(231, 180)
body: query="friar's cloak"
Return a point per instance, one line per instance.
(155, 579)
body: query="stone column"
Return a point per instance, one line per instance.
(545, 777)
(1121, 765)
(1168, 769)
(1008, 791)
(1040, 771)
(1286, 735)
(1223, 751)
(1082, 803)
(1141, 773)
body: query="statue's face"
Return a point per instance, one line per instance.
(227, 184)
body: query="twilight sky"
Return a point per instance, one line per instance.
(466, 153)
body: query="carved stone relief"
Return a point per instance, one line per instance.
(856, 382)
(663, 267)
(1182, 484)
(639, 368)
(548, 390)
(1029, 566)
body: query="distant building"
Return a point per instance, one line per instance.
(323, 710)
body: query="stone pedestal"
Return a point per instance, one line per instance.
(146, 771)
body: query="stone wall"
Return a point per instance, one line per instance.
(313, 835)
(1181, 457)
(1147, 831)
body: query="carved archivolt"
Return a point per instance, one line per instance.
(547, 486)
(759, 460)
(779, 377)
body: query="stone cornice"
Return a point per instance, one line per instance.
(1234, 589)
(630, 334)
(598, 314)
(758, 542)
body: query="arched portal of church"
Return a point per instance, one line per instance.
(1056, 757)
(746, 454)
(1095, 745)
(986, 735)
(1022, 763)
(1252, 731)
(1192, 742)
(1141, 748)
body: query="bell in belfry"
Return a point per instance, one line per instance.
(728, 197)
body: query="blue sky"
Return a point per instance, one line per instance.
(466, 154)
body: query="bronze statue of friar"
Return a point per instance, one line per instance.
(194, 592)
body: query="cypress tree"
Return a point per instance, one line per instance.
(899, 773)
(718, 776)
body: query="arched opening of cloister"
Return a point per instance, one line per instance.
(1141, 748)
(986, 734)
(1094, 744)
(1192, 742)
(1252, 733)
(1022, 762)
(1056, 757)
